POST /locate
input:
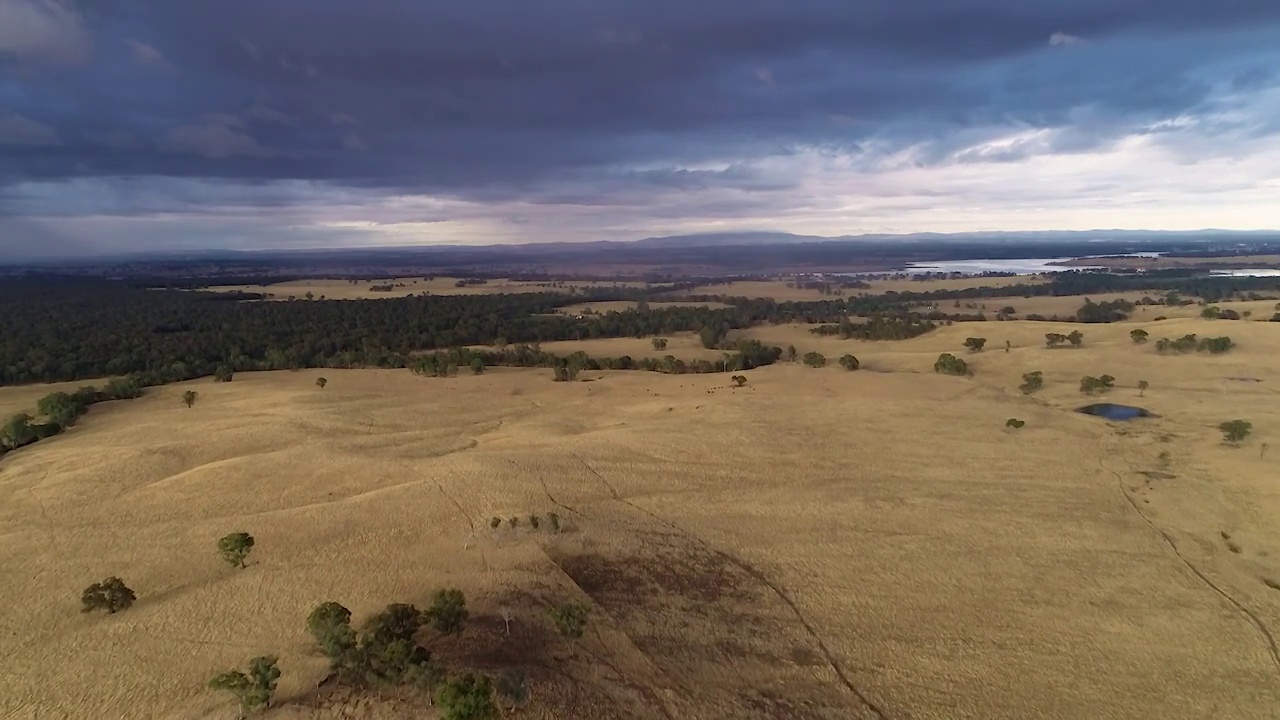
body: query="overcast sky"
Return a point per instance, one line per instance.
(181, 124)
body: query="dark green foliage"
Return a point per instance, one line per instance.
(17, 431)
(849, 362)
(975, 344)
(223, 373)
(815, 359)
(1054, 340)
(467, 697)
(570, 619)
(659, 343)
(254, 688)
(1076, 338)
(739, 380)
(449, 609)
(321, 382)
(1104, 312)
(399, 621)
(1215, 346)
(330, 625)
(1191, 343)
(883, 327)
(1090, 385)
(1015, 423)
(111, 595)
(510, 685)
(1138, 336)
(235, 547)
(477, 365)
(124, 388)
(189, 397)
(1031, 382)
(1235, 431)
(949, 364)
(61, 408)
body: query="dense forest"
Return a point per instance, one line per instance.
(57, 328)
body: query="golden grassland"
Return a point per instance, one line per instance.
(817, 544)
(1065, 306)
(344, 289)
(1149, 263)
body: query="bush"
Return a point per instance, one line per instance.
(477, 366)
(975, 344)
(1014, 423)
(739, 380)
(330, 625)
(1235, 431)
(467, 697)
(1138, 336)
(253, 689)
(1054, 340)
(223, 373)
(111, 595)
(449, 609)
(570, 619)
(1031, 382)
(849, 362)
(949, 364)
(17, 431)
(235, 547)
(321, 382)
(815, 359)
(659, 343)
(1094, 385)
(189, 397)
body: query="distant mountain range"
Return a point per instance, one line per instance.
(782, 238)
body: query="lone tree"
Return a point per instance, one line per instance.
(949, 364)
(321, 382)
(1138, 336)
(467, 697)
(235, 547)
(849, 362)
(477, 365)
(815, 359)
(1235, 431)
(448, 610)
(189, 397)
(570, 619)
(1015, 423)
(1031, 382)
(659, 343)
(254, 688)
(330, 625)
(111, 595)
(1142, 387)
(1054, 340)
(739, 380)
(975, 344)
(1076, 338)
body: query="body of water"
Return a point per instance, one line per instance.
(1248, 272)
(1021, 266)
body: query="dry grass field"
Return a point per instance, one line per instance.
(817, 544)
(342, 289)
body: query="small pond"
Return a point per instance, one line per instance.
(1112, 411)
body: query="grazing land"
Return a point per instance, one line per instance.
(815, 544)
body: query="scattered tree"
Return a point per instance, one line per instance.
(1142, 387)
(1054, 340)
(495, 522)
(1031, 382)
(815, 359)
(975, 344)
(254, 688)
(949, 364)
(111, 595)
(330, 625)
(534, 521)
(189, 397)
(570, 619)
(235, 547)
(448, 610)
(791, 349)
(1235, 431)
(514, 522)
(1090, 385)
(739, 380)
(659, 343)
(321, 382)
(849, 362)
(17, 432)
(467, 697)
(1014, 423)
(477, 366)
(1138, 336)
(1076, 338)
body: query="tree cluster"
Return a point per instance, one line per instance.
(949, 364)
(1192, 343)
(1090, 385)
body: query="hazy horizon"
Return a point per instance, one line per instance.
(171, 127)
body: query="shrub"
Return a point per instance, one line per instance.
(321, 382)
(949, 364)
(1235, 431)
(739, 380)
(1094, 385)
(1054, 340)
(570, 619)
(1031, 382)
(189, 397)
(659, 343)
(330, 625)
(467, 697)
(111, 595)
(1212, 312)
(223, 373)
(254, 688)
(235, 547)
(815, 359)
(477, 366)
(495, 522)
(975, 344)
(1138, 336)
(849, 362)
(125, 388)
(17, 431)
(448, 610)
(1014, 423)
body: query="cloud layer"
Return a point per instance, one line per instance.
(148, 124)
